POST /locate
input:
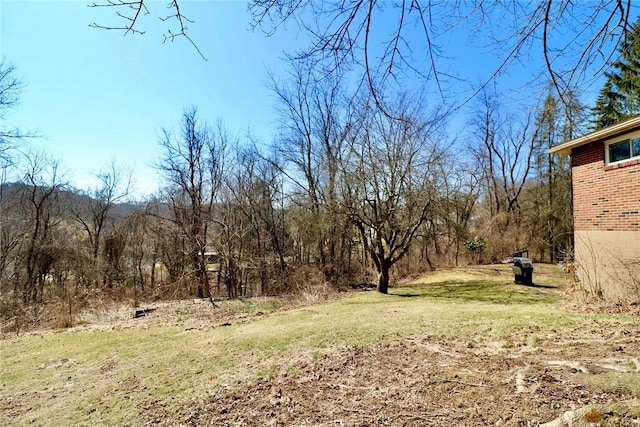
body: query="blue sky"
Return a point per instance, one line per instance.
(96, 96)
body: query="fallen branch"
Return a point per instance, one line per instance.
(353, 387)
(446, 380)
(357, 411)
(425, 416)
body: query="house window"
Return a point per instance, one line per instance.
(623, 150)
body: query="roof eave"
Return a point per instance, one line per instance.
(599, 135)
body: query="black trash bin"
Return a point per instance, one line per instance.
(523, 270)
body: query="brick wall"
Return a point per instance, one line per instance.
(604, 198)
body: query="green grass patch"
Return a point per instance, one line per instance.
(480, 291)
(616, 382)
(491, 284)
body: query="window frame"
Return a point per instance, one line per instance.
(627, 137)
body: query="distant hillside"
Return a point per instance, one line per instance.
(68, 197)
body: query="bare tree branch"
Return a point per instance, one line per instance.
(180, 18)
(563, 29)
(10, 88)
(134, 9)
(571, 37)
(136, 6)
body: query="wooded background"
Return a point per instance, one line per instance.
(364, 184)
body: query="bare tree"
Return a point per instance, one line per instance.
(256, 185)
(140, 250)
(390, 182)
(526, 193)
(168, 244)
(10, 88)
(193, 166)
(458, 194)
(233, 233)
(316, 121)
(11, 232)
(94, 211)
(504, 150)
(42, 213)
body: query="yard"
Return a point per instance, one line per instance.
(457, 347)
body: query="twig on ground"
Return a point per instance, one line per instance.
(425, 416)
(446, 380)
(357, 411)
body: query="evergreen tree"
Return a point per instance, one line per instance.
(619, 98)
(609, 106)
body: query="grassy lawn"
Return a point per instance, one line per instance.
(107, 377)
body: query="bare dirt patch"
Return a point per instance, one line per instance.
(423, 380)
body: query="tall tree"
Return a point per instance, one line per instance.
(10, 87)
(93, 213)
(609, 107)
(39, 197)
(193, 165)
(389, 186)
(315, 125)
(619, 98)
(549, 210)
(503, 146)
(503, 149)
(10, 234)
(256, 184)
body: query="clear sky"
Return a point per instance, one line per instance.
(95, 96)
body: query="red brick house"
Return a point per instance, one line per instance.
(605, 167)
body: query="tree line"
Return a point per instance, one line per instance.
(349, 192)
